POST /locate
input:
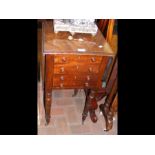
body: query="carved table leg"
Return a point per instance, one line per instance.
(90, 106)
(47, 102)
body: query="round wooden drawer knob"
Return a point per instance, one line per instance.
(62, 78)
(63, 59)
(93, 59)
(88, 77)
(90, 69)
(62, 69)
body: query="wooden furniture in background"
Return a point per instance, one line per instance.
(109, 108)
(107, 26)
(73, 62)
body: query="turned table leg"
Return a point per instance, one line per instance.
(90, 106)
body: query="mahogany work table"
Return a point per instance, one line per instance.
(73, 62)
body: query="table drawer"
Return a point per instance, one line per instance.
(90, 59)
(78, 69)
(67, 78)
(63, 59)
(73, 84)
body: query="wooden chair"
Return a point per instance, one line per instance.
(106, 26)
(109, 108)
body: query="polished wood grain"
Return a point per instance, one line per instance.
(76, 68)
(102, 25)
(75, 77)
(114, 106)
(110, 30)
(59, 43)
(74, 84)
(49, 61)
(64, 59)
(107, 26)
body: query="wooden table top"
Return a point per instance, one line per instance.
(80, 43)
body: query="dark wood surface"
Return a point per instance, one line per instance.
(67, 68)
(110, 106)
(59, 43)
(48, 84)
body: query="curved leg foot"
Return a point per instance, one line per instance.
(108, 116)
(93, 116)
(109, 122)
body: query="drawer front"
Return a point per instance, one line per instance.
(78, 69)
(73, 84)
(63, 59)
(90, 59)
(68, 78)
(66, 81)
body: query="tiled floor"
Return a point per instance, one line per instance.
(66, 116)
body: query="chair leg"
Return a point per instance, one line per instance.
(108, 116)
(107, 108)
